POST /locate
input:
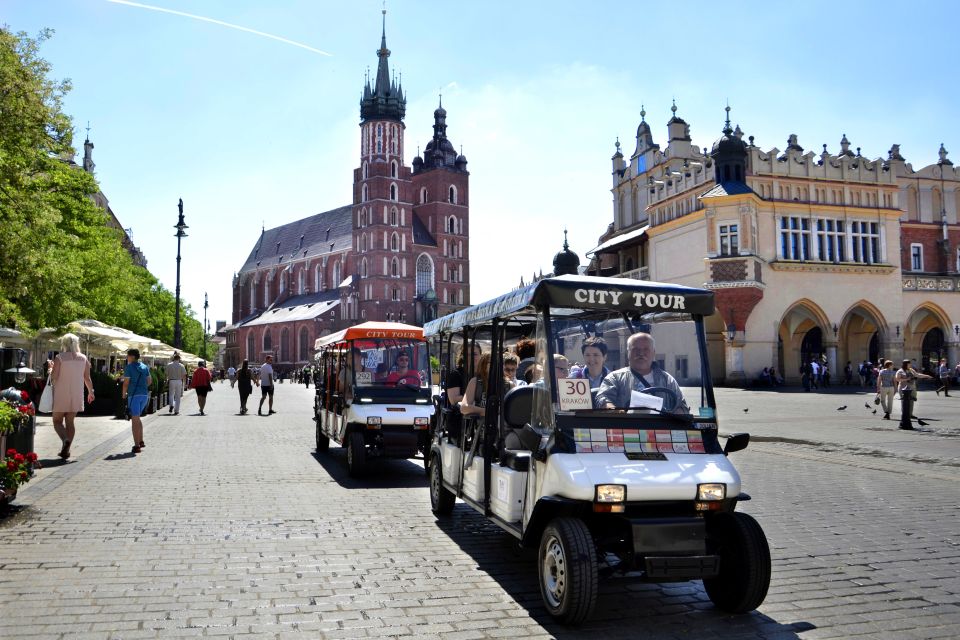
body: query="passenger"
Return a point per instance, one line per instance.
(615, 391)
(510, 363)
(526, 350)
(402, 373)
(454, 383)
(475, 395)
(595, 355)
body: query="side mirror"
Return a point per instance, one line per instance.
(736, 442)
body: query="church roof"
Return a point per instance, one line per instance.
(422, 235)
(321, 233)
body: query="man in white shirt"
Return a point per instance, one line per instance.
(232, 374)
(176, 379)
(266, 386)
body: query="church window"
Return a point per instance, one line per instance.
(285, 345)
(393, 169)
(267, 341)
(300, 283)
(266, 293)
(253, 296)
(363, 217)
(363, 242)
(318, 278)
(460, 248)
(365, 170)
(453, 194)
(395, 295)
(394, 242)
(379, 138)
(393, 192)
(364, 193)
(336, 273)
(424, 274)
(393, 217)
(251, 348)
(795, 238)
(395, 268)
(423, 195)
(363, 268)
(830, 240)
(916, 257)
(729, 240)
(451, 225)
(304, 345)
(460, 296)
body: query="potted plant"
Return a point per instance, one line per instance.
(16, 412)
(15, 470)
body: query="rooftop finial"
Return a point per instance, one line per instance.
(617, 144)
(726, 127)
(440, 93)
(674, 107)
(643, 114)
(565, 245)
(88, 132)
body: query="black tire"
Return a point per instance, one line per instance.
(356, 454)
(744, 575)
(567, 567)
(323, 442)
(441, 498)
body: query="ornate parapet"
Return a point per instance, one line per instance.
(931, 283)
(831, 267)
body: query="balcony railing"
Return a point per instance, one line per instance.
(643, 273)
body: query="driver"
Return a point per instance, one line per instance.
(642, 373)
(403, 374)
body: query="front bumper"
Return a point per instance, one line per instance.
(672, 548)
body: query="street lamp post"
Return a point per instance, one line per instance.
(206, 325)
(181, 234)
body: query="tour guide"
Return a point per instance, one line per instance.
(615, 390)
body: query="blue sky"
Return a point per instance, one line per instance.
(247, 129)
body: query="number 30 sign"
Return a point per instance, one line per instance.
(574, 393)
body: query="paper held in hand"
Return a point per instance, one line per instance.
(645, 401)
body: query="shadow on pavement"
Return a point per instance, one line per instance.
(53, 462)
(668, 610)
(121, 456)
(381, 474)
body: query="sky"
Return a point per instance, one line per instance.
(253, 130)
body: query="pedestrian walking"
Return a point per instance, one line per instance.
(201, 383)
(176, 381)
(244, 385)
(864, 371)
(943, 372)
(232, 374)
(137, 381)
(886, 388)
(266, 386)
(305, 373)
(848, 374)
(906, 381)
(825, 375)
(806, 373)
(70, 374)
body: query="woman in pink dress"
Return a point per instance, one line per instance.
(71, 372)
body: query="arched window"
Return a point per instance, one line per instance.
(424, 274)
(363, 268)
(300, 282)
(453, 194)
(266, 292)
(283, 279)
(395, 268)
(304, 344)
(393, 169)
(363, 242)
(363, 217)
(394, 242)
(336, 273)
(379, 138)
(364, 169)
(423, 195)
(451, 225)
(393, 192)
(285, 345)
(364, 193)
(267, 341)
(253, 296)
(251, 348)
(318, 278)
(460, 296)
(393, 216)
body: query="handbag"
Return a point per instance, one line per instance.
(46, 398)
(876, 400)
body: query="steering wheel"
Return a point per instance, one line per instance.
(671, 401)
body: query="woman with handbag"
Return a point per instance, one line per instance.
(71, 373)
(201, 383)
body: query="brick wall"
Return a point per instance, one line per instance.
(929, 236)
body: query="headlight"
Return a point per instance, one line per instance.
(421, 423)
(611, 493)
(711, 492)
(366, 399)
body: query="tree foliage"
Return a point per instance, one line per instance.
(60, 260)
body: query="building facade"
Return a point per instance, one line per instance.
(399, 252)
(811, 255)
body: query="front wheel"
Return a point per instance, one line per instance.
(356, 454)
(744, 574)
(441, 498)
(568, 570)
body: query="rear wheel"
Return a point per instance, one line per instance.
(568, 570)
(441, 498)
(744, 574)
(356, 454)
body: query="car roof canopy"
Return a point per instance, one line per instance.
(370, 330)
(583, 292)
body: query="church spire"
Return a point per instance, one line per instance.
(384, 100)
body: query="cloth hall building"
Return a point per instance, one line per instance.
(824, 255)
(398, 252)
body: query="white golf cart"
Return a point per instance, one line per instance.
(609, 472)
(373, 393)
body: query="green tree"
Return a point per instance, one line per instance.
(61, 259)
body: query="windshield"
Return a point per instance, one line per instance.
(649, 364)
(387, 362)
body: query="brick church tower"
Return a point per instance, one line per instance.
(410, 252)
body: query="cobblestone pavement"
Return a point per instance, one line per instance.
(231, 525)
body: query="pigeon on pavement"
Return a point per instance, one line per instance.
(866, 404)
(874, 412)
(842, 408)
(745, 410)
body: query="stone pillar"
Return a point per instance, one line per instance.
(953, 354)
(892, 350)
(832, 361)
(733, 354)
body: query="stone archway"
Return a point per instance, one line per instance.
(862, 335)
(925, 333)
(802, 332)
(932, 348)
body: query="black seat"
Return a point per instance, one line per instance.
(516, 460)
(518, 404)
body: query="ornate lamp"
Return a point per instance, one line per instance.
(21, 370)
